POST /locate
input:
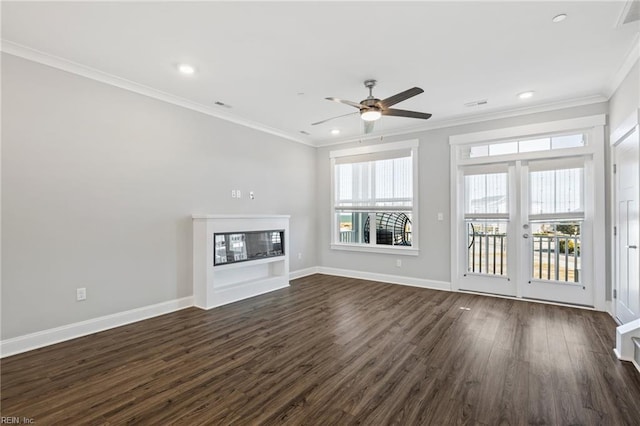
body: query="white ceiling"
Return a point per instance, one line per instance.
(275, 62)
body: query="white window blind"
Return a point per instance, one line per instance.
(375, 182)
(556, 189)
(486, 194)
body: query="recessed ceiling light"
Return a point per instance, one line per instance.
(559, 18)
(335, 132)
(186, 69)
(525, 95)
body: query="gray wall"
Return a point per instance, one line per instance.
(99, 185)
(433, 262)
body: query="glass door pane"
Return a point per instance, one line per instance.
(556, 251)
(557, 233)
(487, 247)
(487, 221)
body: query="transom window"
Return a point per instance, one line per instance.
(525, 145)
(374, 197)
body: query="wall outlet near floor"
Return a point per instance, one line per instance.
(233, 193)
(440, 216)
(398, 263)
(81, 294)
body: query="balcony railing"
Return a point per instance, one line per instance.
(347, 236)
(351, 237)
(487, 253)
(554, 257)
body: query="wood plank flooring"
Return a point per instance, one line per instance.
(333, 351)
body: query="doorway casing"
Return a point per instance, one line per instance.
(593, 127)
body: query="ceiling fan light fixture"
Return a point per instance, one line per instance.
(371, 115)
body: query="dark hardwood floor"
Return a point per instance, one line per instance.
(332, 351)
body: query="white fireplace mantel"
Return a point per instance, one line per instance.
(221, 284)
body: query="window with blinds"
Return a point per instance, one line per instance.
(374, 196)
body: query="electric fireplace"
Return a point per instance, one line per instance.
(238, 256)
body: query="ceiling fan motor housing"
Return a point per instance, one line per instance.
(370, 103)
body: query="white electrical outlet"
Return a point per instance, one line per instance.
(233, 193)
(440, 216)
(81, 294)
(299, 256)
(252, 195)
(398, 263)
(239, 193)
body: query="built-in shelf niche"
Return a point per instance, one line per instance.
(217, 283)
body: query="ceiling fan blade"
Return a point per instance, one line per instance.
(368, 126)
(392, 100)
(333, 118)
(343, 101)
(403, 113)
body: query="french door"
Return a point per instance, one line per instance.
(527, 229)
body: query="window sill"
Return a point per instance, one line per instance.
(397, 250)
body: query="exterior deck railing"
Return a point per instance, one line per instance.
(554, 257)
(350, 237)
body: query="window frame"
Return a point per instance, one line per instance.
(335, 244)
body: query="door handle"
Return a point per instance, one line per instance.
(632, 247)
(525, 235)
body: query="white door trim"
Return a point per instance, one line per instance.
(617, 135)
(594, 127)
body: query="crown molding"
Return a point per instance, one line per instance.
(629, 61)
(53, 61)
(463, 120)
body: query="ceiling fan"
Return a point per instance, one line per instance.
(371, 109)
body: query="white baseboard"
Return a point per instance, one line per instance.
(303, 273)
(385, 278)
(608, 308)
(63, 333)
(623, 358)
(52, 336)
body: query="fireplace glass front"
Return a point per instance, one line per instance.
(233, 247)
